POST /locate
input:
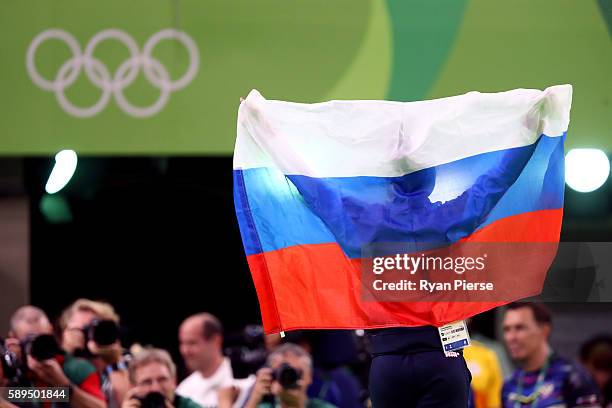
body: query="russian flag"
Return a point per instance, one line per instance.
(316, 183)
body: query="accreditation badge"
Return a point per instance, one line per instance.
(454, 337)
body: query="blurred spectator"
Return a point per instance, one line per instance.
(544, 378)
(201, 340)
(77, 317)
(153, 378)
(596, 356)
(332, 380)
(285, 380)
(79, 324)
(26, 321)
(30, 328)
(487, 377)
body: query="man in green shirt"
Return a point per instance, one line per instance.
(269, 391)
(153, 371)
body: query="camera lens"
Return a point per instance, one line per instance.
(43, 347)
(153, 400)
(103, 332)
(288, 376)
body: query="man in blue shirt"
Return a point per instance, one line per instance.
(544, 378)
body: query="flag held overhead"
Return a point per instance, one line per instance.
(317, 185)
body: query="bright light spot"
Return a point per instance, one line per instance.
(65, 165)
(586, 169)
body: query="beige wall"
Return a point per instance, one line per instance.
(14, 257)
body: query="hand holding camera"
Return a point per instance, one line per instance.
(42, 352)
(283, 382)
(99, 338)
(263, 384)
(36, 353)
(48, 371)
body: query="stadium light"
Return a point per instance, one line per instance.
(65, 165)
(586, 169)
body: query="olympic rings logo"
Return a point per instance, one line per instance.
(99, 75)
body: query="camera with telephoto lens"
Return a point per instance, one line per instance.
(153, 399)
(41, 347)
(102, 332)
(287, 376)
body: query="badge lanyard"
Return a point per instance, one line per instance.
(533, 398)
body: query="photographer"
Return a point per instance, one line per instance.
(46, 365)
(285, 380)
(77, 319)
(26, 320)
(25, 324)
(153, 377)
(90, 329)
